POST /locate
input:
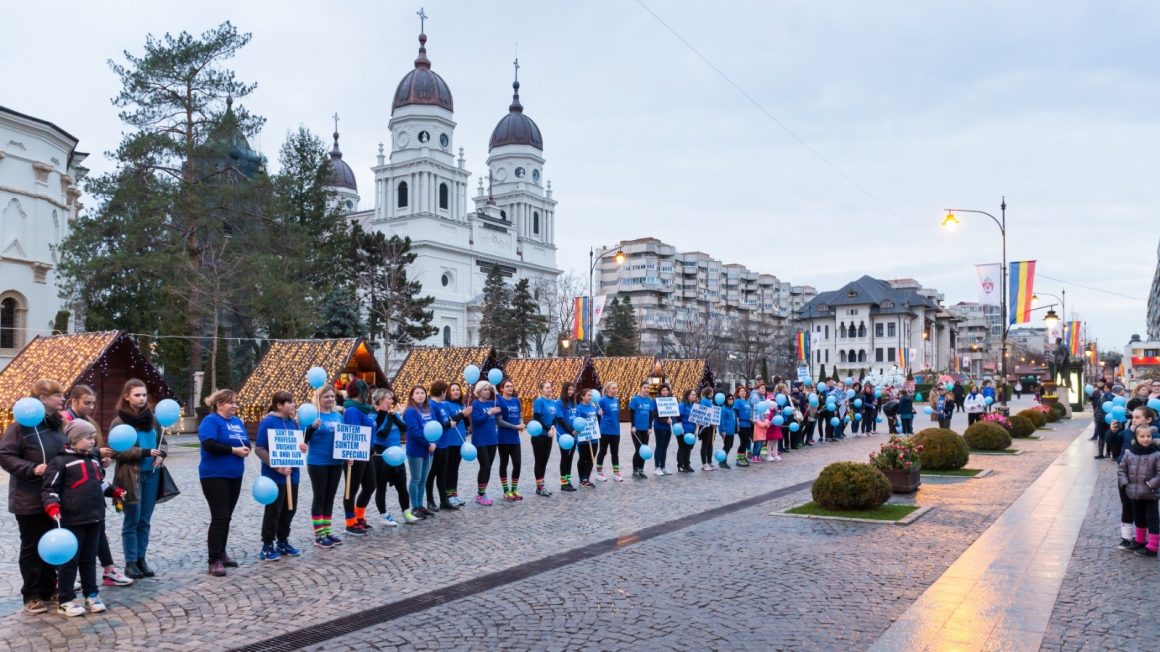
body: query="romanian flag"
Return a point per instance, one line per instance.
(803, 346)
(1022, 288)
(903, 358)
(1073, 330)
(580, 325)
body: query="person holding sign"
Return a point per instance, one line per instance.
(586, 439)
(389, 428)
(685, 450)
(544, 412)
(361, 473)
(707, 432)
(224, 448)
(565, 413)
(323, 469)
(663, 425)
(509, 424)
(279, 432)
(608, 409)
(449, 477)
(643, 412)
(484, 436)
(417, 415)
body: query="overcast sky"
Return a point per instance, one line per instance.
(905, 108)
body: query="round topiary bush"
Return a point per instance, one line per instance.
(1059, 410)
(1021, 426)
(1050, 414)
(850, 486)
(1036, 417)
(987, 437)
(942, 449)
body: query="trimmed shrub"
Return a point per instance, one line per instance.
(1059, 410)
(1021, 426)
(987, 437)
(1036, 417)
(850, 485)
(942, 449)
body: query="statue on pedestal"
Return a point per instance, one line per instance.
(1060, 362)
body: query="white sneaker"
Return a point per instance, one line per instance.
(777, 459)
(659, 472)
(72, 608)
(617, 477)
(94, 604)
(769, 458)
(601, 477)
(390, 521)
(116, 578)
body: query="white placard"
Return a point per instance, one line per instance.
(715, 416)
(352, 442)
(283, 447)
(667, 406)
(699, 414)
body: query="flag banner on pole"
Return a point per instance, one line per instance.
(803, 346)
(1073, 333)
(903, 358)
(989, 278)
(1022, 282)
(580, 326)
(597, 314)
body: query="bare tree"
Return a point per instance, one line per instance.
(559, 297)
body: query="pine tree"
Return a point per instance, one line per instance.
(526, 320)
(495, 318)
(620, 328)
(397, 310)
(340, 313)
(822, 374)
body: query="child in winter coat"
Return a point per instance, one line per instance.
(74, 498)
(760, 430)
(1139, 475)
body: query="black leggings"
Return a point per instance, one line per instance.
(438, 468)
(1146, 515)
(485, 455)
(449, 478)
(745, 434)
(706, 446)
(278, 515)
(509, 452)
(395, 476)
(324, 481)
(362, 487)
(541, 451)
(684, 451)
(639, 438)
(566, 463)
(1125, 506)
(222, 496)
(607, 443)
(587, 452)
(727, 443)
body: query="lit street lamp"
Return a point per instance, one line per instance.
(594, 258)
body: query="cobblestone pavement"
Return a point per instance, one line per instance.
(707, 585)
(1108, 597)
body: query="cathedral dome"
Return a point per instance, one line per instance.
(343, 176)
(515, 128)
(422, 85)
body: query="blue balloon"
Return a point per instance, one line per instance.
(432, 431)
(1108, 419)
(122, 437)
(857, 402)
(1107, 406)
(58, 546)
(468, 452)
(645, 452)
(719, 398)
(850, 393)
(849, 380)
(168, 412)
(567, 442)
(781, 399)
(720, 455)
(794, 426)
(29, 412)
(1119, 413)
(1088, 389)
(595, 393)
(834, 421)
(808, 382)
(918, 397)
(690, 439)
(1154, 403)
(813, 399)
(471, 374)
(307, 414)
(264, 490)
(787, 411)
(950, 386)
(316, 376)
(847, 419)
(778, 420)
(678, 429)
(988, 400)
(763, 407)
(1119, 400)
(877, 393)
(878, 420)
(395, 455)
(579, 424)
(857, 416)
(831, 406)
(495, 376)
(534, 428)
(927, 410)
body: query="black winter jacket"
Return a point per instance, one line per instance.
(73, 481)
(21, 450)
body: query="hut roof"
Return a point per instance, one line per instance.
(79, 358)
(424, 366)
(528, 373)
(683, 375)
(285, 364)
(627, 372)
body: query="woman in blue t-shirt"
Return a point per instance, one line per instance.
(278, 514)
(450, 476)
(324, 471)
(587, 439)
(642, 409)
(484, 411)
(224, 448)
(608, 410)
(544, 412)
(565, 412)
(419, 451)
(744, 411)
(664, 429)
(510, 424)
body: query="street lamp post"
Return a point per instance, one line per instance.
(950, 221)
(594, 258)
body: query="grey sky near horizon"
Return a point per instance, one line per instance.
(918, 106)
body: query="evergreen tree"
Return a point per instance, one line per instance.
(822, 375)
(397, 310)
(526, 320)
(621, 328)
(495, 320)
(340, 313)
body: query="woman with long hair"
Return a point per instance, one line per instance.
(138, 473)
(388, 432)
(663, 426)
(324, 471)
(484, 436)
(565, 412)
(451, 415)
(510, 425)
(357, 411)
(277, 516)
(587, 439)
(608, 412)
(224, 448)
(744, 411)
(419, 450)
(449, 479)
(544, 412)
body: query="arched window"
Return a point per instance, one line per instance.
(446, 336)
(536, 222)
(503, 215)
(841, 356)
(842, 330)
(11, 336)
(402, 203)
(852, 356)
(861, 356)
(862, 329)
(443, 201)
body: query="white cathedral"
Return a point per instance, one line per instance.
(421, 191)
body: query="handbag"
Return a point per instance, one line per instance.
(166, 487)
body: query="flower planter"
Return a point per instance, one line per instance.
(903, 482)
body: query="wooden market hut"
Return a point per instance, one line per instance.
(628, 373)
(102, 360)
(528, 373)
(284, 368)
(425, 365)
(683, 375)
